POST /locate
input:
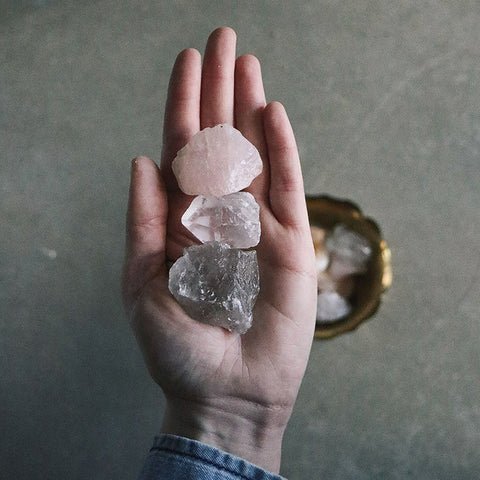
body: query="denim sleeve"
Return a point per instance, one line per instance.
(178, 458)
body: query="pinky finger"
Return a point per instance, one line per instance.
(287, 196)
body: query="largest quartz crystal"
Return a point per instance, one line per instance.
(216, 161)
(232, 219)
(216, 284)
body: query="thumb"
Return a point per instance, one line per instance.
(145, 228)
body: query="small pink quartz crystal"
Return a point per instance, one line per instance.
(216, 161)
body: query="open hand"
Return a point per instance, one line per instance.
(233, 392)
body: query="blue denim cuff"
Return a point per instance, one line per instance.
(173, 457)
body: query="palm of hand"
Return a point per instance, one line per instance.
(196, 362)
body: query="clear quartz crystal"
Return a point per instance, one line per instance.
(331, 307)
(232, 219)
(216, 161)
(217, 285)
(349, 252)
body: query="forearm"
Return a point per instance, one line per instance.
(255, 437)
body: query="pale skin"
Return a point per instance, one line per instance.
(234, 392)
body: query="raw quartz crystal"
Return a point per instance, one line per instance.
(339, 257)
(331, 306)
(349, 252)
(214, 283)
(217, 285)
(216, 161)
(232, 219)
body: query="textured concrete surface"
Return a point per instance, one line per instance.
(384, 97)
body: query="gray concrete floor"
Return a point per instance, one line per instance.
(384, 97)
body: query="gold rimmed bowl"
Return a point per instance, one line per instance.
(326, 212)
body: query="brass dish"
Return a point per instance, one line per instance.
(326, 212)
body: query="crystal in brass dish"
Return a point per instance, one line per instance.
(326, 212)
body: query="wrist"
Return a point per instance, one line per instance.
(252, 432)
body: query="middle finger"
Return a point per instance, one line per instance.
(216, 104)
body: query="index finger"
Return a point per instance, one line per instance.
(182, 110)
